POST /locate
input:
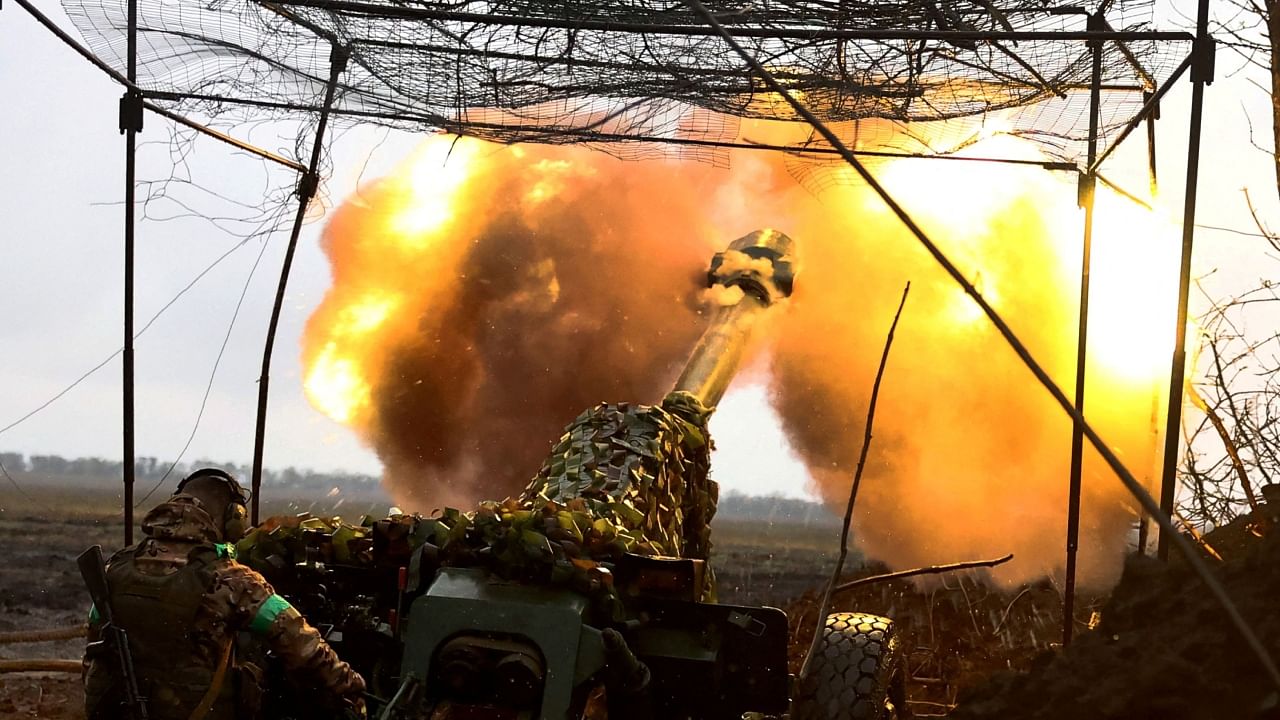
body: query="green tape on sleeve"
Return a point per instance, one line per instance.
(93, 615)
(267, 614)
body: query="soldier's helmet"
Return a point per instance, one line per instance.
(222, 497)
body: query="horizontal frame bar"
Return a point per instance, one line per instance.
(234, 142)
(1122, 192)
(588, 136)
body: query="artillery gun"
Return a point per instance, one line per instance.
(589, 595)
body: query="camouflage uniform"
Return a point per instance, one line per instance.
(182, 598)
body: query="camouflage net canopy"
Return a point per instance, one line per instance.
(622, 479)
(610, 72)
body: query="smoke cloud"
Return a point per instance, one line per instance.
(558, 280)
(484, 296)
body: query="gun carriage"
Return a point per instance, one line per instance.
(589, 595)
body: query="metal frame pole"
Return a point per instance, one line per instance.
(307, 185)
(130, 125)
(1086, 194)
(1152, 117)
(1201, 75)
(1144, 523)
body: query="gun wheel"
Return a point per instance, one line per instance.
(856, 673)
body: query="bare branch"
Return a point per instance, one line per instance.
(930, 570)
(853, 490)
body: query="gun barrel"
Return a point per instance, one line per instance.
(748, 278)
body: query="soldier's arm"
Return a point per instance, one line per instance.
(247, 602)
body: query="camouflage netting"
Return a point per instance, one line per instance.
(591, 71)
(642, 468)
(622, 479)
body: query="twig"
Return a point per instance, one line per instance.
(969, 604)
(933, 636)
(1232, 451)
(853, 491)
(1197, 537)
(1241, 428)
(1262, 228)
(1005, 615)
(930, 570)
(944, 706)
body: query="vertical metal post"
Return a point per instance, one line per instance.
(1151, 141)
(1144, 522)
(1085, 199)
(1201, 74)
(1153, 187)
(307, 185)
(130, 124)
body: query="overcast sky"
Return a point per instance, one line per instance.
(61, 259)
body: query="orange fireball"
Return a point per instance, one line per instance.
(484, 295)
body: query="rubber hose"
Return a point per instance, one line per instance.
(31, 636)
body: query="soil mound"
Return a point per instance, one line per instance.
(1163, 649)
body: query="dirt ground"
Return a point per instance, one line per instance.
(40, 588)
(1164, 647)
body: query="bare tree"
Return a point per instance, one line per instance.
(1235, 447)
(1252, 29)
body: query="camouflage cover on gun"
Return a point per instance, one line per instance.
(622, 479)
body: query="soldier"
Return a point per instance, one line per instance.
(182, 598)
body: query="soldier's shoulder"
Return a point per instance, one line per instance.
(237, 587)
(229, 569)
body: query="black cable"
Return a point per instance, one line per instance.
(235, 314)
(64, 391)
(21, 491)
(113, 355)
(1234, 231)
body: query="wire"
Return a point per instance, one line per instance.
(64, 391)
(114, 355)
(19, 488)
(137, 335)
(204, 401)
(1234, 231)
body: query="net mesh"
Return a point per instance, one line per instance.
(590, 71)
